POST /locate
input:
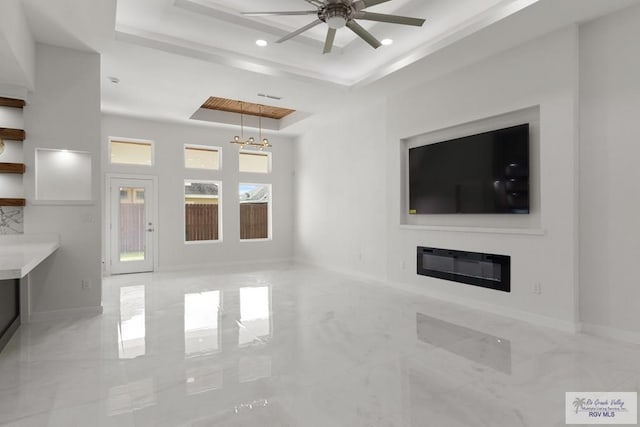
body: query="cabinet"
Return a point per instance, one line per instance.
(9, 309)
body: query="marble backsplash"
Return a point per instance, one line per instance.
(11, 220)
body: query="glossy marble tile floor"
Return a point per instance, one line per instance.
(296, 346)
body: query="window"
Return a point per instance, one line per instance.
(201, 157)
(131, 152)
(255, 215)
(201, 210)
(255, 161)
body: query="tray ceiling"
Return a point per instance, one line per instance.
(248, 108)
(217, 29)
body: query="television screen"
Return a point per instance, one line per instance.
(483, 173)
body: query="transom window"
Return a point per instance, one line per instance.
(201, 157)
(131, 152)
(255, 161)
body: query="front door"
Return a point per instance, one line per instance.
(132, 228)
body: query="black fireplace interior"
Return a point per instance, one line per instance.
(473, 268)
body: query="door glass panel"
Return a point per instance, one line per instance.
(132, 226)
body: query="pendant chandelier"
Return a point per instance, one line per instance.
(251, 142)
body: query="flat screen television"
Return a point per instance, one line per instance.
(486, 173)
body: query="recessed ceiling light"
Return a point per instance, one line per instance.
(261, 43)
(387, 42)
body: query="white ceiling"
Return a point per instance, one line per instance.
(171, 55)
(218, 27)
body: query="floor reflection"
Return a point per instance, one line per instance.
(131, 397)
(254, 368)
(132, 326)
(217, 345)
(255, 314)
(201, 319)
(488, 350)
(203, 379)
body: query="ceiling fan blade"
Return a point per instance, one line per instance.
(328, 44)
(286, 13)
(364, 34)
(363, 4)
(299, 31)
(392, 19)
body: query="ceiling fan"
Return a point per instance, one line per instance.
(340, 13)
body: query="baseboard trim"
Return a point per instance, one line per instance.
(225, 264)
(70, 313)
(340, 270)
(612, 333)
(525, 316)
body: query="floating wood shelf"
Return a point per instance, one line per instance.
(12, 134)
(12, 202)
(12, 168)
(11, 102)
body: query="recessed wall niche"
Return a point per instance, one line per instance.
(63, 176)
(531, 221)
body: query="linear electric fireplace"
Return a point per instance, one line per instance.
(473, 268)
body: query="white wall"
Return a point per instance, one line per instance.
(340, 192)
(609, 175)
(64, 113)
(539, 73)
(169, 139)
(17, 48)
(334, 167)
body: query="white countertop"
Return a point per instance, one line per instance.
(21, 253)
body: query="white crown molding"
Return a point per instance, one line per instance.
(222, 56)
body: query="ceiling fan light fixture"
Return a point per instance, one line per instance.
(343, 13)
(336, 15)
(336, 22)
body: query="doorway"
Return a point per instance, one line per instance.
(132, 225)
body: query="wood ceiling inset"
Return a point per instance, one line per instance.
(249, 108)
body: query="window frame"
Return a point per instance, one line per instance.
(149, 142)
(184, 212)
(204, 148)
(267, 154)
(269, 213)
